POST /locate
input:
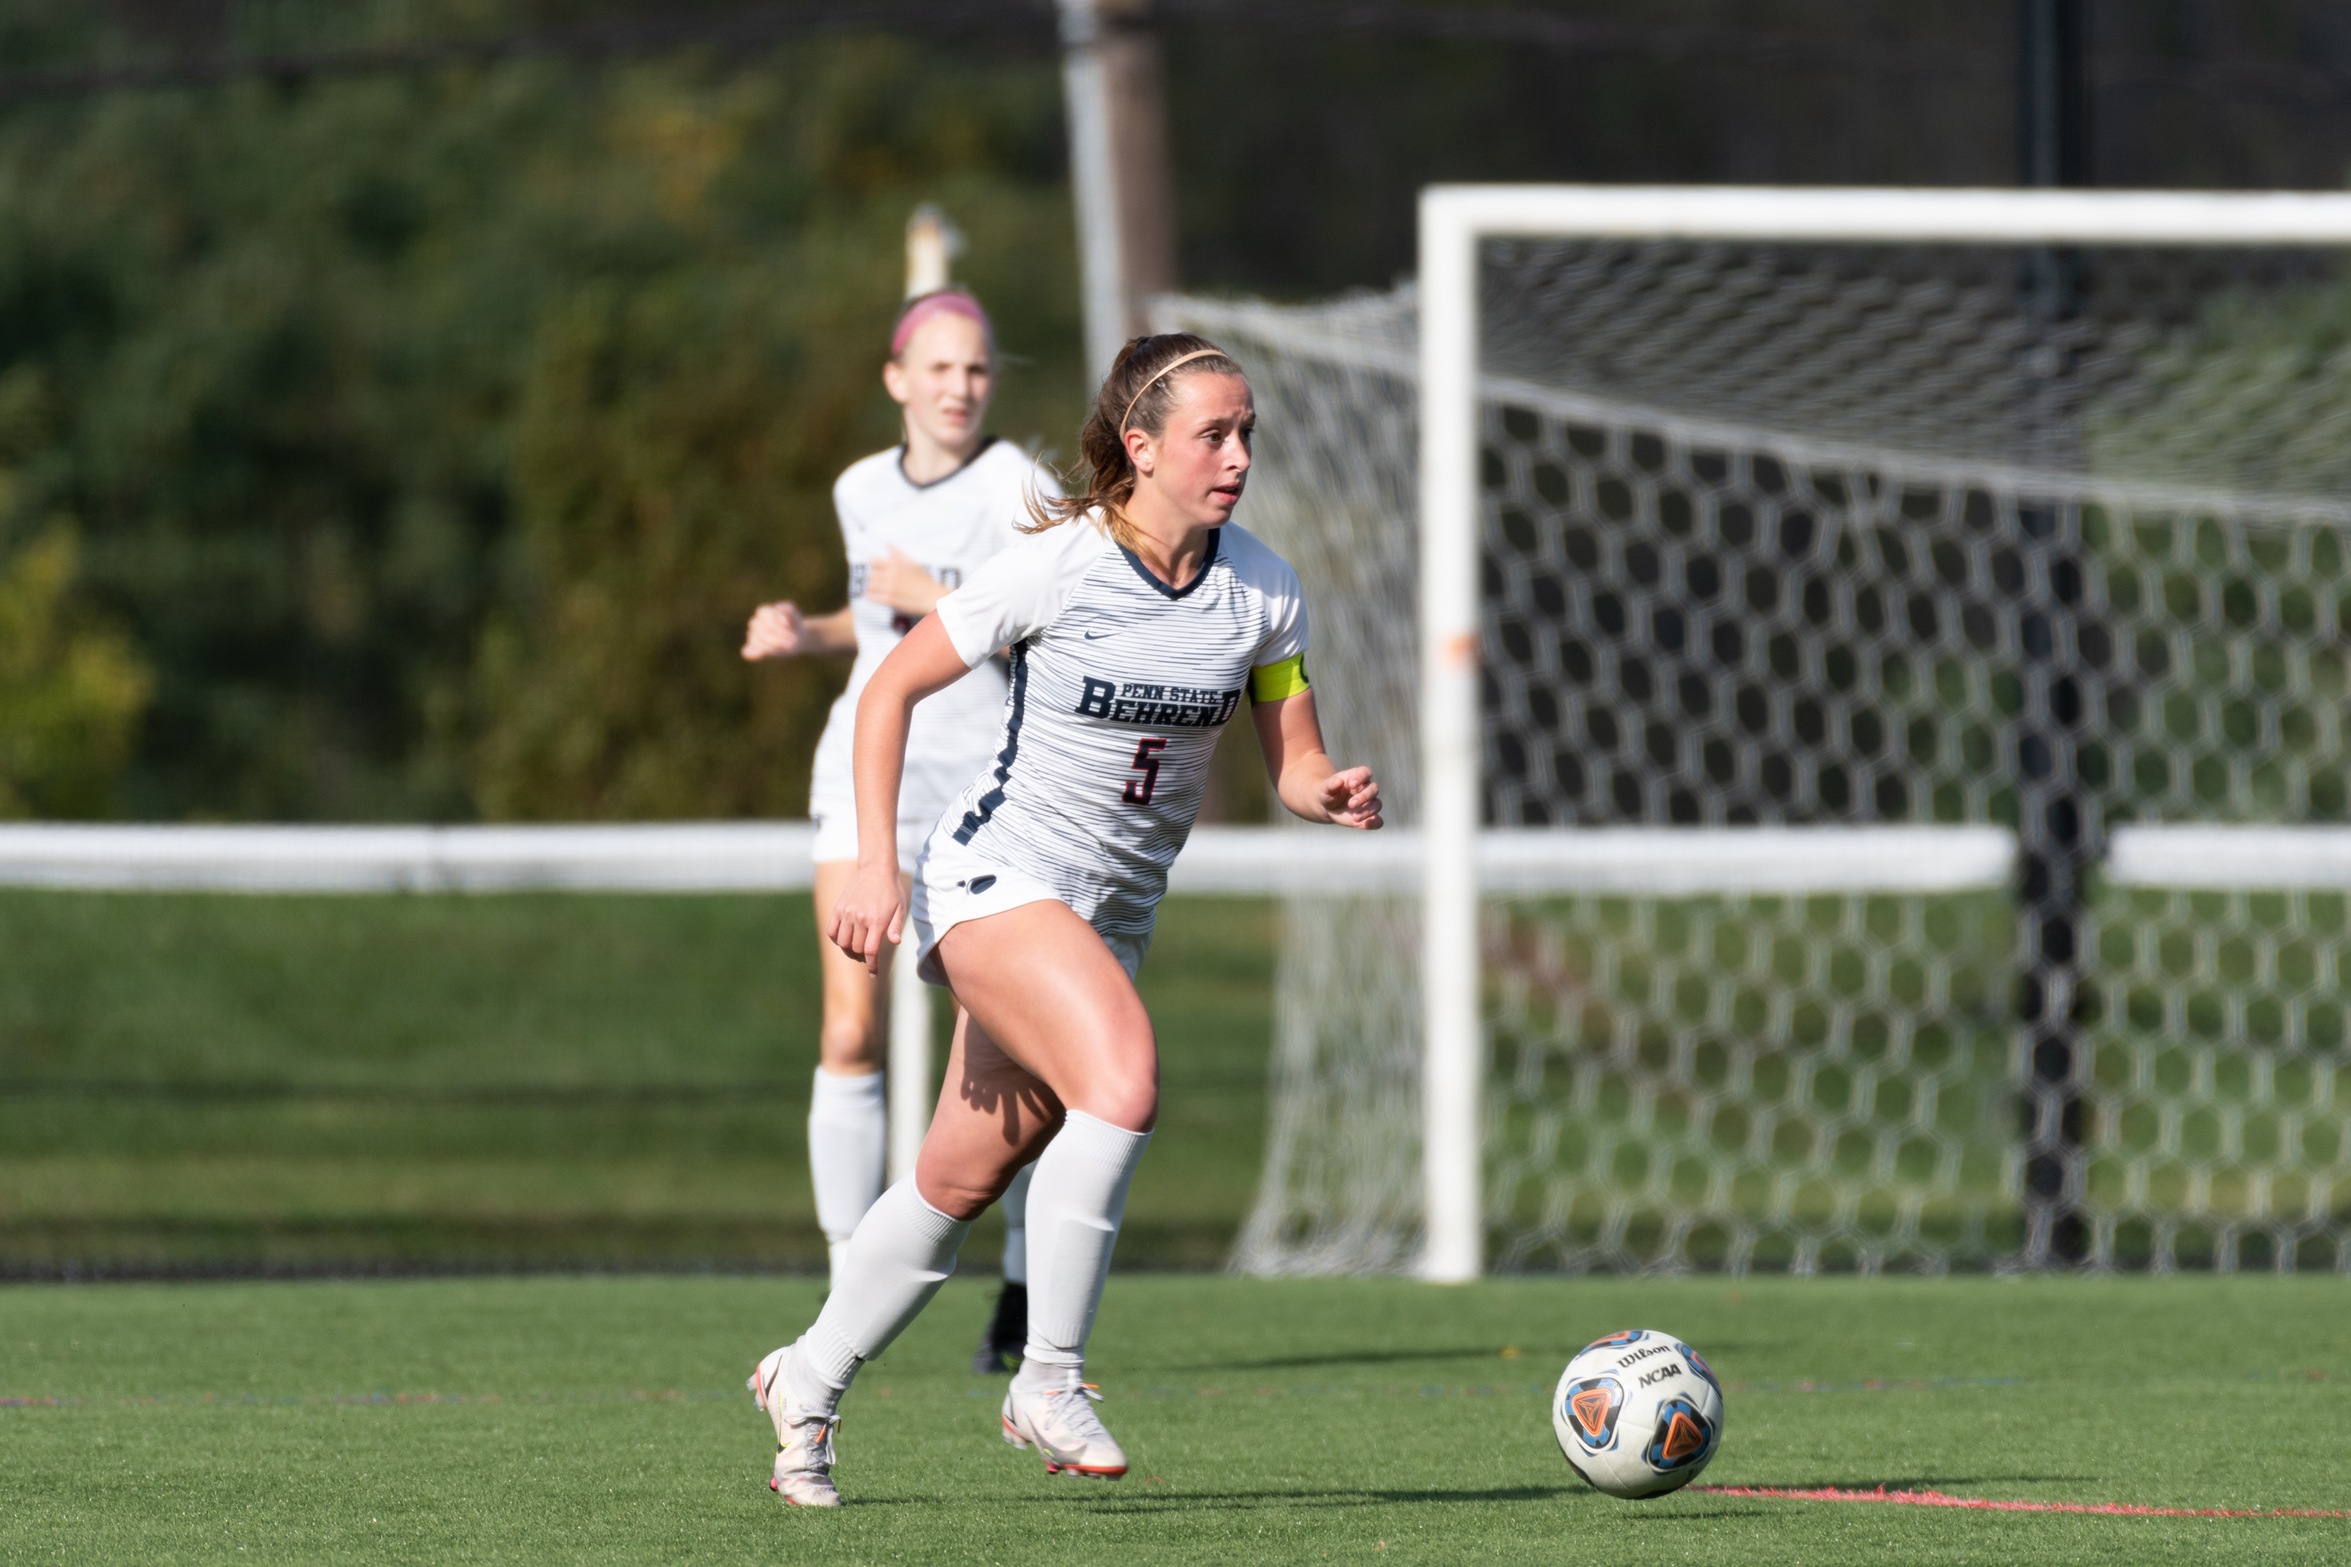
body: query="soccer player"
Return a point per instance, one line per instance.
(1139, 621)
(916, 520)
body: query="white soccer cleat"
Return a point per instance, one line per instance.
(804, 1439)
(1061, 1424)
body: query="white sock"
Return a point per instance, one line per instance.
(903, 1250)
(848, 1138)
(1015, 1203)
(1075, 1207)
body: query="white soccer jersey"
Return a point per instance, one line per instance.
(1120, 686)
(950, 526)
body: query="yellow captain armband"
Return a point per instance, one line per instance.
(1272, 682)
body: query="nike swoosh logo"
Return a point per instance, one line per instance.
(1091, 635)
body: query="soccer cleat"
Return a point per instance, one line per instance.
(1006, 1334)
(804, 1438)
(1061, 1424)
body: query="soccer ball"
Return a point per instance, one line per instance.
(1637, 1413)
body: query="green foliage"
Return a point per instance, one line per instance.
(658, 475)
(72, 688)
(325, 358)
(70, 697)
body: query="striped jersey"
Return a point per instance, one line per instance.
(950, 526)
(1120, 686)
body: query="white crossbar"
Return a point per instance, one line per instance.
(1861, 215)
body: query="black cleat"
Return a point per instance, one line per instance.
(1007, 1333)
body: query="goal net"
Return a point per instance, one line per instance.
(1891, 614)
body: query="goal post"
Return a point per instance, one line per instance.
(1454, 223)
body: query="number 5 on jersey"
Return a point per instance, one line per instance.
(1146, 762)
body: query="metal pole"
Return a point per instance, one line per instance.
(1453, 1060)
(1119, 169)
(2053, 93)
(1093, 180)
(2058, 825)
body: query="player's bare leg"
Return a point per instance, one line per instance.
(906, 1245)
(1083, 1088)
(848, 1137)
(1051, 1005)
(848, 1117)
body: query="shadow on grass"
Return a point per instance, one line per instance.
(1369, 1357)
(1158, 1499)
(1532, 1361)
(1923, 1482)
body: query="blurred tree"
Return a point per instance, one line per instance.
(665, 449)
(291, 325)
(70, 694)
(291, 333)
(71, 688)
(676, 444)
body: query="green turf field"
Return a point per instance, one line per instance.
(552, 1080)
(594, 1420)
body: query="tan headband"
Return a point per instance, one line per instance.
(1197, 353)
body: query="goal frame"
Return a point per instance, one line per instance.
(1453, 222)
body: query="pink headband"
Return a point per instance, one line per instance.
(946, 302)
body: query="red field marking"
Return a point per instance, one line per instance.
(1987, 1504)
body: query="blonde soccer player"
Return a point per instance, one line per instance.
(916, 520)
(1139, 621)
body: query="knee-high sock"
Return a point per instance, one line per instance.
(1015, 1203)
(903, 1250)
(1076, 1204)
(848, 1137)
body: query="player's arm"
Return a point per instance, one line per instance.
(1304, 777)
(780, 630)
(873, 909)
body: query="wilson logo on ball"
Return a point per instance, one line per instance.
(1592, 1408)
